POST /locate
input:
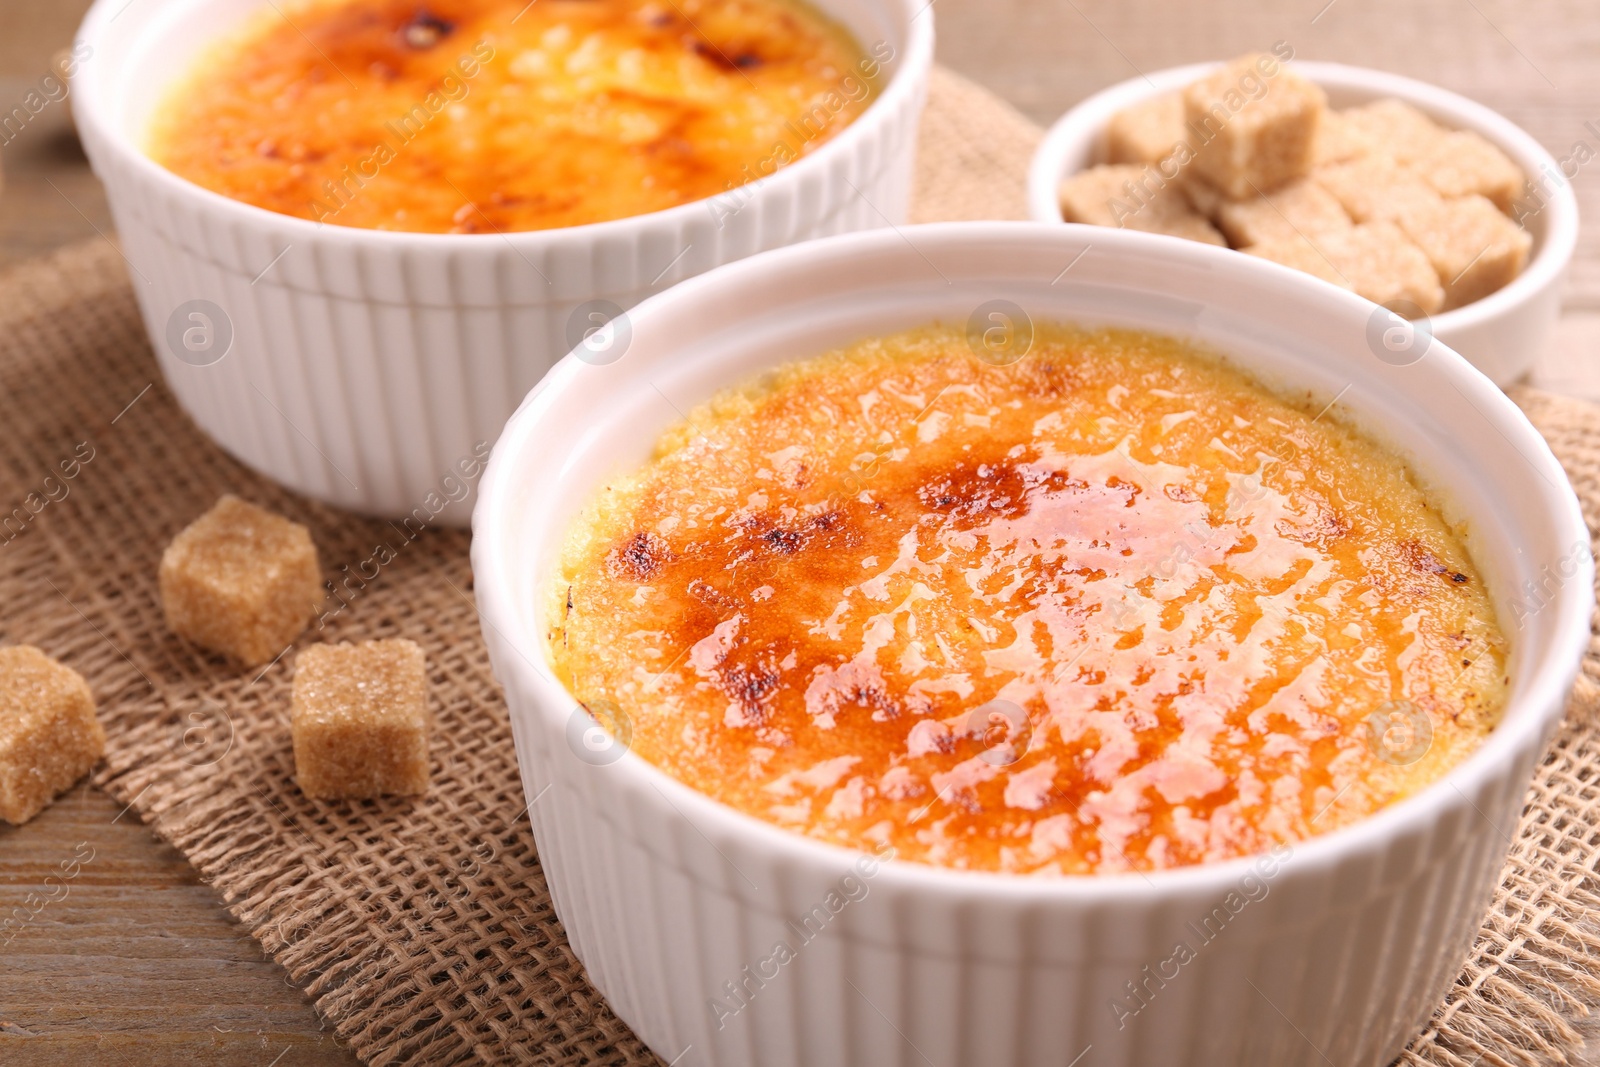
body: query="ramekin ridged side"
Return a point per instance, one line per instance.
(664, 909)
(676, 903)
(371, 370)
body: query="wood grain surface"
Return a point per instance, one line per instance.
(122, 956)
(133, 960)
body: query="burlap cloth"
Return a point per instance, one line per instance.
(422, 928)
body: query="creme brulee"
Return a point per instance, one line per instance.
(1112, 607)
(469, 116)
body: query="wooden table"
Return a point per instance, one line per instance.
(139, 963)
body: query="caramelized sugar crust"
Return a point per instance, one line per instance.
(482, 116)
(1111, 607)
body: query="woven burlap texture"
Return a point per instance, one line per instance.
(422, 928)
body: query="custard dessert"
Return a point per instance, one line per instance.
(485, 116)
(1111, 607)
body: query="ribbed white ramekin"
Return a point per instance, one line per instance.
(365, 368)
(675, 904)
(1502, 334)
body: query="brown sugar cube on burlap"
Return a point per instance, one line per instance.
(49, 736)
(1146, 132)
(359, 717)
(1393, 127)
(1374, 259)
(1135, 198)
(1339, 140)
(1376, 188)
(1301, 208)
(1252, 131)
(1474, 249)
(1462, 163)
(241, 581)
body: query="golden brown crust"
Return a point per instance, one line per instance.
(845, 598)
(484, 116)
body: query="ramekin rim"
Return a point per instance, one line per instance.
(1552, 257)
(906, 81)
(1541, 705)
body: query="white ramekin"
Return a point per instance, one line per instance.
(365, 368)
(667, 895)
(1502, 334)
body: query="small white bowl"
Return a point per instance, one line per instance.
(1502, 334)
(1344, 948)
(373, 369)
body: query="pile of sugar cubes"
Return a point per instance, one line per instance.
(1378, 199)
(243, 582)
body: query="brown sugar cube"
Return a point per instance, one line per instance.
(1303, 255)
(1462, 163)
(1252, 131)
(1374, 259)
(359, 717)
(241, 581)
(1340, 140)
(1376, 188)
(1181, 222)
(49, 736)
(1474, 249)
(1385, 267)
(1135, 198)
(1205, 198)
(1301, 208)
(1146, 132)
(1393, 127)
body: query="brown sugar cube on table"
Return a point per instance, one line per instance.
(1301, 208)
(1393, 127)
(1474, 249)
(49, 736)
(359, 719)
(241, 581)
(1375, 260)
(1135, 198)
(1376, 188)
(1252, 130)
(1146, 132)
(1462, 163)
